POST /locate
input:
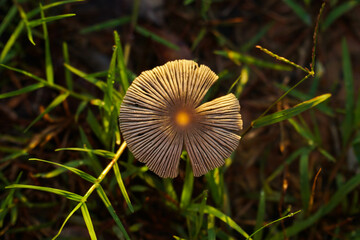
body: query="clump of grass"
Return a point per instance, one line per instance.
(201, 215)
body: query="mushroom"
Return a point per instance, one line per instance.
(161, 115)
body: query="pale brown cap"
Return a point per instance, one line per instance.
(160, 114)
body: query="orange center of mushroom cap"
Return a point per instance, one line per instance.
(182, 118)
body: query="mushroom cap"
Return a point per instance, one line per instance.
(161, 114)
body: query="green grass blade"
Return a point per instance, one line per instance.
(107, 24)
(289, 113)
(198, 38)
(156, 38)
(335, 200)
(121, 63)
(110, 80)
(58, 171)
(303, 131)
(27, 25)
(55, 4)
(99, 152)
(299, 10)
(337, 12)
(98, 83)
(15, 34)
(188, 185)
(170, 190)
(48, 62)
(5, 203)
(288, 161)
(67, 194)
(88, 222)
(304, 180)
(7, 19)
(68, 76)
(252, 42)
(122, 186)
(205, 6)
(96, 127)
(54, 86)
(239, 58)
(80, 109)
(58, 100)
(93, 160)
(213, 182)
(26, 74)
(38, 22)
(23, 90)
(111, 210)
(303, 97)
(348, 122)
(211, 227)
(277, 220)
(223, 217)
(78, 172)
(200, 218)
(67, 218)
(260, 215)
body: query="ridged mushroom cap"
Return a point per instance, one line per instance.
(161, 114)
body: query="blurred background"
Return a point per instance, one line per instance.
(308, 163)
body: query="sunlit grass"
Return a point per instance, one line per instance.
(204, 215)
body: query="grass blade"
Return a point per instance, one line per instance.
(7, 19)
(213, 182)
(277, 220)
(107, 24)
(96, 127)
(68, 76)
(67, 194)
(303, 96)
(121, 63)
(122, 186)
(93, 160)
(211, 227)
(304, 180)
(23, 90)
(15, 34)
(27, 25)
(156, 38)
(48, 61)
(335, 200)
(299, 10)
(111, 210)
(99, 152)
(38, 22)
(337, 12)
(260, 215)
(88, 222)
(188, 185)
(251, 43)
(348, 122)
(59, 99)
(55, 4)
(78, 172)
(198, 38)
(5, 204)
(289, 113)
(238, 58)
(67, 218)
(223, 217)
(58, 171)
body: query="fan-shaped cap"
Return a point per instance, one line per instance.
(161, 114)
